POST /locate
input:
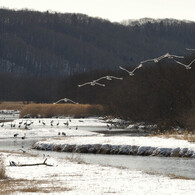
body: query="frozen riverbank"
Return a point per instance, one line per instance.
(144, 146)
(72, 176)
(71, 173)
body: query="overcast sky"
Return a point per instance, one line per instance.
(113, 10)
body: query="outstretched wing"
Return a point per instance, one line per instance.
(174, 56)
(139, 66)
(118, 78)
(124, 69)
(88, 83)
(58, 101)
(180, 63)
(191, 62)
(100, 78)
(149, 60)
(100, 84)
(72, 101)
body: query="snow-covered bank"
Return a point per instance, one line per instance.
(120, 145)
(51, 127)
(71, 176)
(9, 115)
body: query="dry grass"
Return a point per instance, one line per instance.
(50, 110)
(74, 110)
(2, 169)
(11, 105)
(10, 186)
(172, 176)
(185, 135)
(76, 159)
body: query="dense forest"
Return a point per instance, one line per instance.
(45, 56)
(54, 44)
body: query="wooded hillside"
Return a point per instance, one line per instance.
(45, 56)
(54, 44)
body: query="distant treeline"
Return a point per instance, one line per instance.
(162, 92)
(53, 44)
(44, 56)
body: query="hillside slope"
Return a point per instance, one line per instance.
(53, 44)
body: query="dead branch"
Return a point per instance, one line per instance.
(12, 163)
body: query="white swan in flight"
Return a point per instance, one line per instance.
(131, 73)
(187, 66)
(109, 78)
(173, 56)
(92, 83)
(65, 100)
(189, 49)
(156, 60)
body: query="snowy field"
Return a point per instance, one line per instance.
(9, 115)
(73, 175)
(70, 176)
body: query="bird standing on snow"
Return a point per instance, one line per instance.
(23, 137)
(58, 124)
(16, 134)
(22, 150)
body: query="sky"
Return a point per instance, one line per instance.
(113, 10)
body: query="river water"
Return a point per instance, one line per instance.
(184, 167)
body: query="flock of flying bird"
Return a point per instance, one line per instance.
(131, 73)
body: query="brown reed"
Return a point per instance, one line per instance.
(73, 110)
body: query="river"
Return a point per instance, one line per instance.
(180, 167)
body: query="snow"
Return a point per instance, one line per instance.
(37, 129)
(142, 21)
(72, 176)
(9, 114)
(125, 140)
(81, 178)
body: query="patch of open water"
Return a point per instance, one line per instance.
(184, 167)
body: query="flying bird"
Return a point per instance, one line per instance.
(131, 73)
(65, 100)
(156, 60)
(92, 83)
(187, 66)
(190, 49)
(173, 56)
(109, 78)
